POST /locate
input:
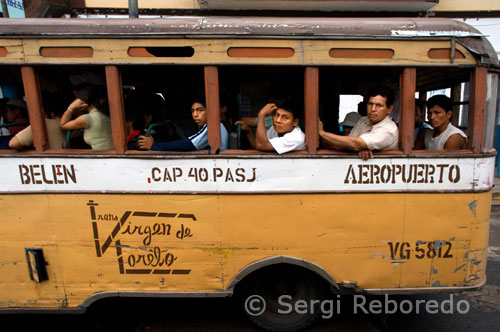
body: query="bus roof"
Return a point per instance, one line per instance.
(255, 27)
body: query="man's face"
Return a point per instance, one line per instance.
(377, 109)
(199, 114)
(438, 116)
(283, 121)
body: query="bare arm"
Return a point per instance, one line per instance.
(145, 142)
(420, 142)
(249, 120)
(261, 141)
(15, 144)
(79, 123)
(455, 142)
(249, 132)
(344, 142)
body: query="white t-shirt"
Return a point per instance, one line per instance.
(438, 142)
(292, 141)
(381, 136)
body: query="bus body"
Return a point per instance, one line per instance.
(81, 225)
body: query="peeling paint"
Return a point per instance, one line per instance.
(472, 277)
(129, 247)
(9, 263)
(433, 270)
(472, 207)
(438, 244)
(420, 242)
(459, 268)
(323, 234)
(436, 284)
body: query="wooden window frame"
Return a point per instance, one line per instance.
(475, 132)
(33, 95)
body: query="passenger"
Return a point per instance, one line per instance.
(155, 112)
(285, 135)
(5, 135)
(16, 112)
(135, 120)
(198, 141)
(444, 136)
(349, 122)
(420, 124)
(52, 107)
(376, 131)
(96, 124)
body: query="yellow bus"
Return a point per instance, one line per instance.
(80, 225)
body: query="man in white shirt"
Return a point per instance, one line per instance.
(376, 131)
(444, 136)
(284, 136)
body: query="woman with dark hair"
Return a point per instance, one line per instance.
(96, 124)
(52, 107)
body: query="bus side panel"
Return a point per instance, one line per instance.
(27, 223)
(345, 234)
(121, 243)
(373, 240)
(444, 232)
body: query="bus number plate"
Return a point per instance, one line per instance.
(421, 249)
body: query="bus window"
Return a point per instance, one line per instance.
(13, 109)
(164, 96)
(76, 97)
(337, 83)
(249, 89)
(451, 88)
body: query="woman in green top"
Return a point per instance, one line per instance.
(91, 114)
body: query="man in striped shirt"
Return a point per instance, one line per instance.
(198, 141)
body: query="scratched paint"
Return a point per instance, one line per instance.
(473, 206)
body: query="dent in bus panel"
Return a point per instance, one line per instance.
(162, 51)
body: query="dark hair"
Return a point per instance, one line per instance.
(198, 99)
(420, 104)
(440, 100)
(53, 103)
(385, 92)
(93, 94)
(133, 113)
(290, 105)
